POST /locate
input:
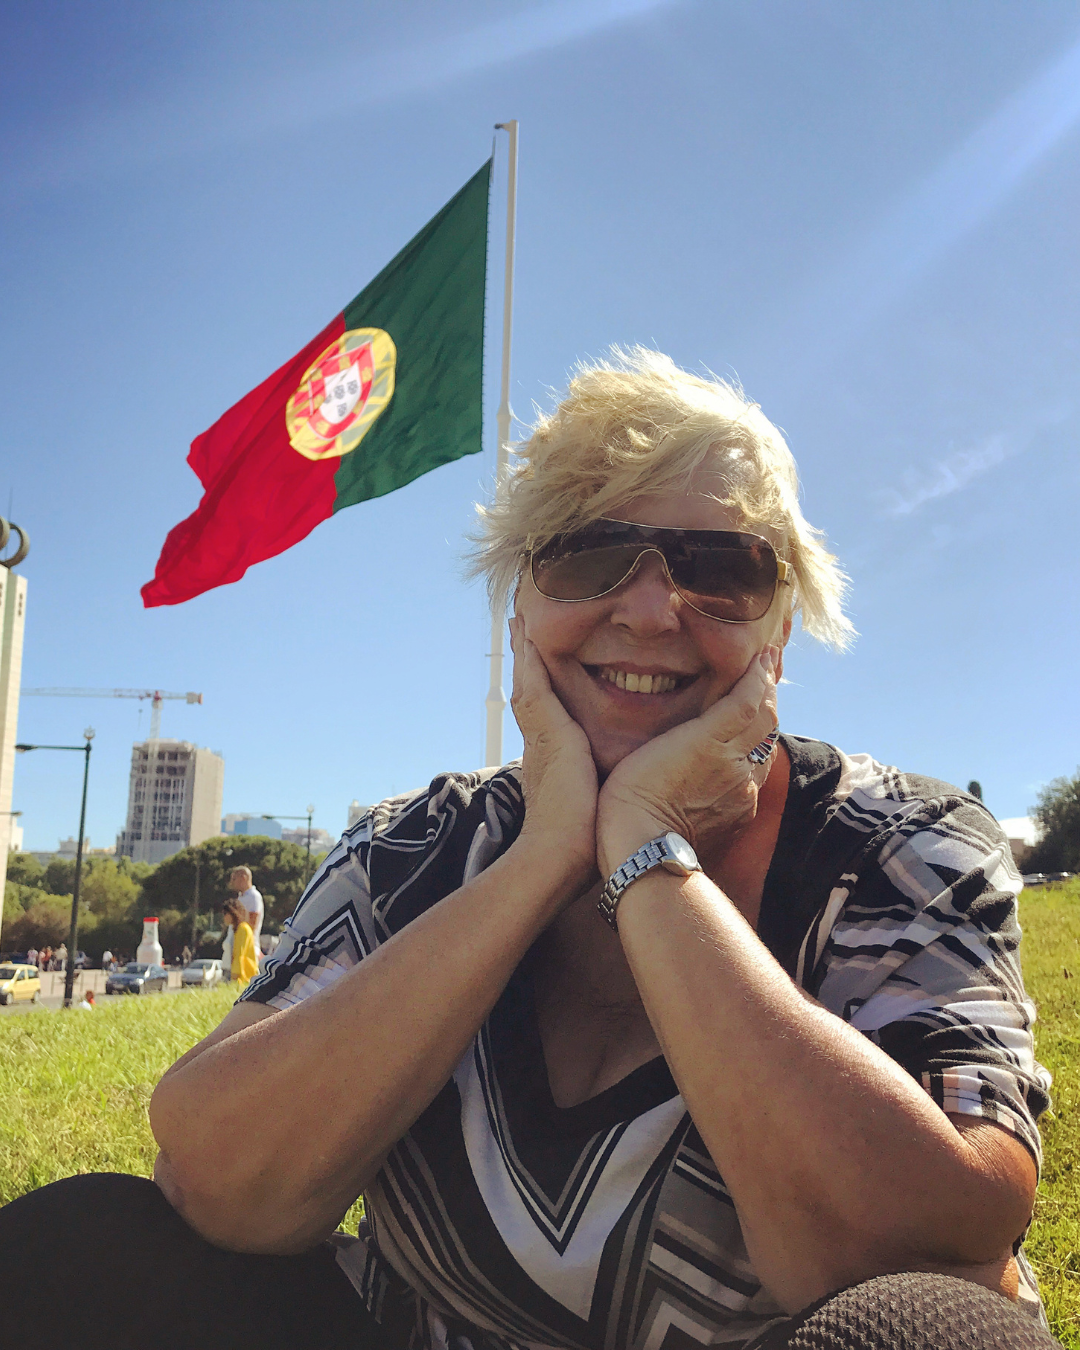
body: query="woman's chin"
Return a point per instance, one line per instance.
(610, 750)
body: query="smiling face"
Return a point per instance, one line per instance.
(644, 634)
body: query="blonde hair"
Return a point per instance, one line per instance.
(242, 871)
(636, 425)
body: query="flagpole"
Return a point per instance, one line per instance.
(496, 698)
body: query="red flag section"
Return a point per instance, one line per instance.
(261, 497)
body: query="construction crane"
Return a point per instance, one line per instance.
(154, 695)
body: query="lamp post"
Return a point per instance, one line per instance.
(307, 816)
(195, 906)
(73, 931)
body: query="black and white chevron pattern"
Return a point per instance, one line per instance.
(502, 1222)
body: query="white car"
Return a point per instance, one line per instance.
(204, 973)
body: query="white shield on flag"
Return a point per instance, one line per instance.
(341, 395)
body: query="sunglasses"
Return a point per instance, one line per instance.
(723, 574)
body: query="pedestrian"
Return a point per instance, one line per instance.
(245, 955)
(106, 960)
(241, 882)
(31, 957)
(87, 1004)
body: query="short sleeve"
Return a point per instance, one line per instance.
(923, 957)
(330, 931)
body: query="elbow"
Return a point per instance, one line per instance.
(214, 1213)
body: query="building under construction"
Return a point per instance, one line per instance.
(174, 799)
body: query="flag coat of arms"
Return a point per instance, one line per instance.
(391, 388)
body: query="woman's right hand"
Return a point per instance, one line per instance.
(558, 773)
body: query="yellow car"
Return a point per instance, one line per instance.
(19, 982)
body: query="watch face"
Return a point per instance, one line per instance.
(683, 854)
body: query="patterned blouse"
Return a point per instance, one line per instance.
(503, 1220)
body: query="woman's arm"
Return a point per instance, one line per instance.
(841, 1167)
(322, 1090)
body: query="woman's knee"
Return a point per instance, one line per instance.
(80, 1207)
(911, 1311)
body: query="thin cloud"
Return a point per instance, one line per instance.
(948, 475)
(216, 112)
(959, 468)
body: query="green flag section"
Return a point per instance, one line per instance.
(390, 389)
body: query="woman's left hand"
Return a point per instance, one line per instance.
(694, 779)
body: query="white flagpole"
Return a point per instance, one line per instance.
(496, 698)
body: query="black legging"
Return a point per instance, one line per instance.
(105, 1260)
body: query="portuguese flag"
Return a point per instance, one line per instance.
(388, 390)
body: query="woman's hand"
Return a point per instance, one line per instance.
(558, 772)
(694, 779)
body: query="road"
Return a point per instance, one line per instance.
(52, 991)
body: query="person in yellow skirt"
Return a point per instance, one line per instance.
(245, 956)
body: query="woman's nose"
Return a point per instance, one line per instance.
(647, 601)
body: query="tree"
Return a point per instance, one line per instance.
(60, 875)
(17, 900)
(108, 891)
(44, 923)
(25, 869)
(1057, 814)
(279, 869)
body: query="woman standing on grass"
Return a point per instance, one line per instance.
(659, 1039)
(245, 959)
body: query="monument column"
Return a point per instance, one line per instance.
(12, 622)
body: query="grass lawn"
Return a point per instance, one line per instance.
(1051, 923)
(74, 1089)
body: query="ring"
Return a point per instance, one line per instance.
(764, 749)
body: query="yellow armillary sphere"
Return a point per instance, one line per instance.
(342, 394)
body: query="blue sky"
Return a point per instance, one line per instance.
(865, 212)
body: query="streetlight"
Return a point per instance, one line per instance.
(310, 812)
(195, 907)
(73, 932)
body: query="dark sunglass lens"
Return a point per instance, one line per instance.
(736, 584)
(584, 575)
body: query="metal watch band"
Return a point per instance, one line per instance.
(653, 854)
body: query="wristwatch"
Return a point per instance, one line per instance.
(669, 851)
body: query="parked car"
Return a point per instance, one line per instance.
(205, 973)
(137, 978)
(19, 982)
(1034, 878)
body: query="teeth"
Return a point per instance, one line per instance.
(638, 684)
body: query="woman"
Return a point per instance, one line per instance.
(244, 960)
(664, 1035)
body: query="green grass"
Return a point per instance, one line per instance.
(1051, 922)
(74, 1086)
(74, 1089)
